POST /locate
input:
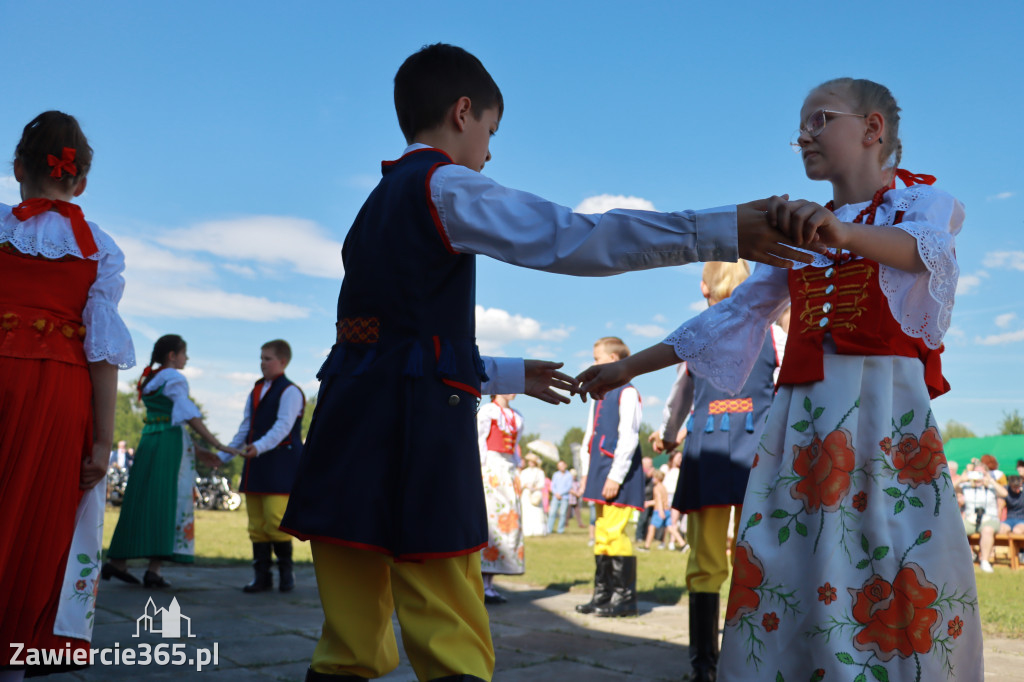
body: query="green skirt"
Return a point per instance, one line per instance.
(157, 516)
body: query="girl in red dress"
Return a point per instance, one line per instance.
(61, 344)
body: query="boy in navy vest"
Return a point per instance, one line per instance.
(388, 489)
(611, 461)
(271, 435)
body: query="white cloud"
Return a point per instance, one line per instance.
(299, 243)
(147, 299)
(660, 318)
(698, 306)
(968, 283)
(245, 378)
(650, 331)
(606, 202)
(651, 401)
(1000, 196)
(495, 326)
(1000, 339)
(142, 258)
(540, 353)
(192, 372)
(10, 191)
(1003, 321)
(243, 270)
(1011, 260)
(362, 181)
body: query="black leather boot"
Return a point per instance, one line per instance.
(623, 601)
(283, 550)
(704, 636)
(602, 585)
(261, 563)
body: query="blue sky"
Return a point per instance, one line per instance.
(236, 141)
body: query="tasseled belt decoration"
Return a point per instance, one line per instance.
(727, 407)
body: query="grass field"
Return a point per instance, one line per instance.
(565, 562)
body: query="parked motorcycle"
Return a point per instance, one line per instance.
(117, 481)
(214, 492)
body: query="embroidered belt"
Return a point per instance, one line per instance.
(731, 405)
(359, 329)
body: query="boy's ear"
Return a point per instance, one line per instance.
(461, 110)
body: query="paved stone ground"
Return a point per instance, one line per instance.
(537, 635)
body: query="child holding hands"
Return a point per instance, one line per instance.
(61, 344)
(405, 330)
(852, 558)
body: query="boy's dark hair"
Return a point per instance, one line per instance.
(164, 346)
(430, 81)
(280, 349)
(47, 135)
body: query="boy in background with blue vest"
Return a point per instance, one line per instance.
(388, 490)
(610, 458)
(271, 435)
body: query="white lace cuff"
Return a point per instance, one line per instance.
(106, 336)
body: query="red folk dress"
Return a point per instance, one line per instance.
(46, 424)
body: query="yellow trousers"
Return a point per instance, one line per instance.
(610, 530)
(265, 512)
(440, 605)
(707, 533)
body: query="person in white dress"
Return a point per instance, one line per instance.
(499, 428)
(852, 560)
(532, 480)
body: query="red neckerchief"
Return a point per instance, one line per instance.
(36, 205)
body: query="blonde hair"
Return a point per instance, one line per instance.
(722, 278)
(613, 344)
(659, 474)
(870, 97)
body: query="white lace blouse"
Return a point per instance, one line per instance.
(49, 234)
(175, 387)
(722, 343)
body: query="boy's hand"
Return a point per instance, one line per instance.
(250, 451)
(808, 225)
(760, 239)
(599, 379)
(542, 378)
(610, 490)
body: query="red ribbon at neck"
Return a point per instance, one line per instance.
(909, 178)
(83, 235)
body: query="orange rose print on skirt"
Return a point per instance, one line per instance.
(491, 553)
(919, 461)
(825, 467)
(508, 522)
(747, 574)
(897, 616)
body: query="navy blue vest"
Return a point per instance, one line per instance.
(391, 461)
(722, 437)
(273, 472)
(602, 453)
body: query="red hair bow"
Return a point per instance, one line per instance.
(80, 228)
(909, 178)
(66, 162)
(148, 372)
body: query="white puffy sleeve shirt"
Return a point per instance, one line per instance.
(722, 342)
(175, 387)
(49, 235)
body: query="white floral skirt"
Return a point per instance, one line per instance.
(852, 561)
(504, 551)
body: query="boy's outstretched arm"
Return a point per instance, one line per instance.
(599, 379)
(759, 241)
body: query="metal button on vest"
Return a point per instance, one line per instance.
(826, 308)
(453, 400)
(830, 272)
(829, 289)
(824, 322)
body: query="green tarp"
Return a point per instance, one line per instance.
(1006, 449)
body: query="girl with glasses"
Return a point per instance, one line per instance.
(852, 560)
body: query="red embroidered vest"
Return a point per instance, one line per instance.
(846, 301)
(500, 441)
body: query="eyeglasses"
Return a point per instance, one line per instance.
(814, 125)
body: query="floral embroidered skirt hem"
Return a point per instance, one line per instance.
(504, 551)
(157, 515)
(852, 560)
(46, 427)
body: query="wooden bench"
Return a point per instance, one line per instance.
(1013, 542)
